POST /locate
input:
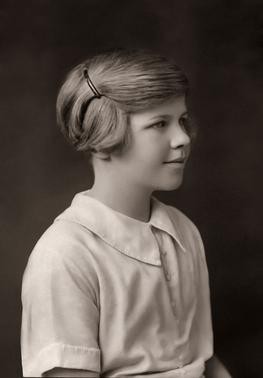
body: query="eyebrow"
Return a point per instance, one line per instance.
(184, 113)
(166, 116)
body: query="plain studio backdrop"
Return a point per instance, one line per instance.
(219, 44)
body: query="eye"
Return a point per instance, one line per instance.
(187, 124)
(184, 121)
(159, 125)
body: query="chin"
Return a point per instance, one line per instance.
(170, 185)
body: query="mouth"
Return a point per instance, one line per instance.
(180, 160)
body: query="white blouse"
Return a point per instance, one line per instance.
(110, 294)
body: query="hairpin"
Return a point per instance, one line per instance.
(90, 84)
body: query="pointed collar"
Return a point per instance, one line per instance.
(127, 235)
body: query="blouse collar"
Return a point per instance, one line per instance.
(125, 234)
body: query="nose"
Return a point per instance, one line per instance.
(179, 137)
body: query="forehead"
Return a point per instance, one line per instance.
(172, 108)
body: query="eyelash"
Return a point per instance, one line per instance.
(189, 126)
(159, 125)
(183, 121)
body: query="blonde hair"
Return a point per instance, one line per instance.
(128, 81)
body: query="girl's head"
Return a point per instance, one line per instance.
(128, 82)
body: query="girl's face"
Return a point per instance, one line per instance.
(159, 147)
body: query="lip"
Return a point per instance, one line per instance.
(180, 160)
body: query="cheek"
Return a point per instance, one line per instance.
(153, 149)
(146, 152)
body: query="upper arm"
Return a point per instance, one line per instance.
(60, 314)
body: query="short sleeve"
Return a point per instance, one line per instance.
(60, 316)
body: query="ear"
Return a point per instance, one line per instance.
(100, 155)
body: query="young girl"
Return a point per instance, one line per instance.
(118, 284)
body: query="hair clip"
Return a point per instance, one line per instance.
(90, 84)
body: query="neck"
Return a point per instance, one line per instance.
(123, 197)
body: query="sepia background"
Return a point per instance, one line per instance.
(219, 44)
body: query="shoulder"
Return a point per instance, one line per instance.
(62, 250)
(63, 234)
(64, 239)
(184, 228)
(182, 220)
(188, 233)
